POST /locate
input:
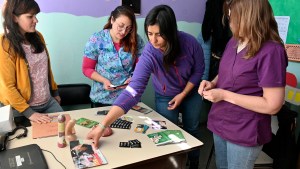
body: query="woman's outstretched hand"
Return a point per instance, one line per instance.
(94, 135)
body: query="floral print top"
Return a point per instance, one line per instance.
(116, 66)
(38, 69)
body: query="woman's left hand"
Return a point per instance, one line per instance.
(176, 101)
(58, 99)
(214, 95)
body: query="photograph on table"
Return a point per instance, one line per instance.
(85, 156)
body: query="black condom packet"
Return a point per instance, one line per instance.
(135, 143)
(124, 144)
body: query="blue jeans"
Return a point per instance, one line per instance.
(51, 106)
(190, 109)
(233, 156)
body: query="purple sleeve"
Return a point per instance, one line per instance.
(272, 66)
(126, 101)
(133, 92)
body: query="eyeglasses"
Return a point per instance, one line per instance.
(127, 29)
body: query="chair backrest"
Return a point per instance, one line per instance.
(74, 94)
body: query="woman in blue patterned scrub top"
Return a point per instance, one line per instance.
(110, 56)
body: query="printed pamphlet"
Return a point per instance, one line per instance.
(167, 137)
(84, 156)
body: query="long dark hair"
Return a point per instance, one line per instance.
(164, 17)
(130, 40)
(12, 31)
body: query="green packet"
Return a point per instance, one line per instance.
(86, 122)
(167, 137)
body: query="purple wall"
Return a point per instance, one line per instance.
(185, 10)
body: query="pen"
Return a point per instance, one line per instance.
(202, 93)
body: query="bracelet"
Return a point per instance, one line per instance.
(102, 126)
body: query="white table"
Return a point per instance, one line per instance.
(149, 156)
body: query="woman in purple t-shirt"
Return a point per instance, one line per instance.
(249, 87)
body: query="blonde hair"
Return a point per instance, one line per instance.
(254, 20)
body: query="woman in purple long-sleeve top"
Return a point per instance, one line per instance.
(176, 62)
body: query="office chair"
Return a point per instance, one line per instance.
(74, 96)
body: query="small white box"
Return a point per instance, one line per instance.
(6, 121)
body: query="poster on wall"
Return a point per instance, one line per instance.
(292, 95)
(293, 52)
(283, 26)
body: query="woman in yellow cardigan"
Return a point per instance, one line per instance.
(26, 79)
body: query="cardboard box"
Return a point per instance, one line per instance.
(6, 121)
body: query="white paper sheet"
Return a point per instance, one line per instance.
(283, 26)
